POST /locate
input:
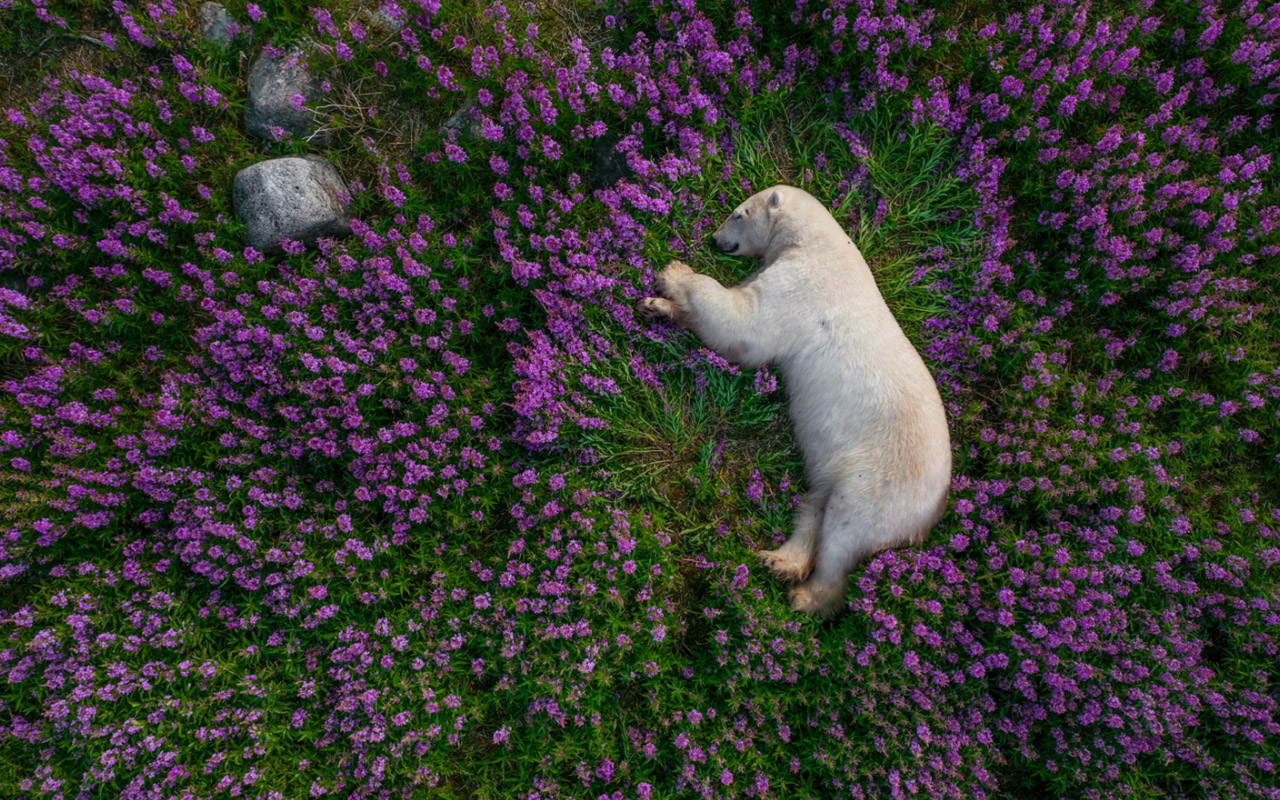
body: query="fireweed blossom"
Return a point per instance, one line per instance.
(358, 496)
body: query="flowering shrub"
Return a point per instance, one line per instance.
(430, 506)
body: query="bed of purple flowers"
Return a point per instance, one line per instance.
(429, 512)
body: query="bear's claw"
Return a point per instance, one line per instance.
(653, 308)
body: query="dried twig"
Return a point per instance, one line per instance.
(40, 45)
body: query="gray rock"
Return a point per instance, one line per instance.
(295, 197)
(273, 83)
(608, 166)
(382, 22)
(462, 124)
(12, 281)
(216, 25)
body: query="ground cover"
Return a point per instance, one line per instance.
(429, 512)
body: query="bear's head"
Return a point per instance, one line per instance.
(751, 226)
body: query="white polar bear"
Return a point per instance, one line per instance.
(867, 413)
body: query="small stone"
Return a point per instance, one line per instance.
(383, 22)
(11, 281)
(463, 124)
(608, 166)
(273, 86)
(296, 197)
(216, 25)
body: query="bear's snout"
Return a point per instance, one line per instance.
(720, 244)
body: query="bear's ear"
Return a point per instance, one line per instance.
(775, 200)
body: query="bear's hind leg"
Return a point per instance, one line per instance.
(793, 561)
(846, 538)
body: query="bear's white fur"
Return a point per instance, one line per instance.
(867, 414)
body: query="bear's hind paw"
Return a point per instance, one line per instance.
(786, 568)
(819, 601)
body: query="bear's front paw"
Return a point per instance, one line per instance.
(668, 281)
(785, 566)
(654, 308)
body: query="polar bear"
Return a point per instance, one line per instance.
(867, 414)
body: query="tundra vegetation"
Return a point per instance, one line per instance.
(426, 511)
